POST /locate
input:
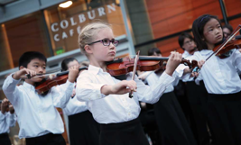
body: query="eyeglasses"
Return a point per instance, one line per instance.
(225, 33)
(188, 42)
(106, 42)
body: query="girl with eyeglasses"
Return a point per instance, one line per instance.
(107, 98)
(196, 94)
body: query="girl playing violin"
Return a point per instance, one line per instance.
(107, 98)
(83, 129)
(171, 121)
(39, 120)
(196, 94)
(221, 81)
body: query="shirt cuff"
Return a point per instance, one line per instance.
(69, 84)
(12, 115)
(12, 80)
(166, 79)
(180, 70)
(2, 116)
(98, 87)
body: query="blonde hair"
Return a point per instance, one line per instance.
(88, 32)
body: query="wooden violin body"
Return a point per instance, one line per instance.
(122, 66)
(58, 79)
(233, 44)
(48, 84)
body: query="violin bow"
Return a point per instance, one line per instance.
(226, 41)
(50, 75)
(197, 69)
(134, 71)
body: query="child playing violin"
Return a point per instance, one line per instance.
(7, 119)
(196, 94)
(108, 98)
(39, 121)
(83, 129)
(171, 121)
(221, 81)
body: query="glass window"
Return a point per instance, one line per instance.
(27, 33)
(17, 36)
(64, 24)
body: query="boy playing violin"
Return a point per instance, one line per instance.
(39, 120)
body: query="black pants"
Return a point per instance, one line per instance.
(4, 139)
(197, 98)
(171, 121)
(83, 129)
(48, 139)
(224, 113)
(127, 133)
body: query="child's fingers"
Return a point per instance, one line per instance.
(133, 85)
(26, 71)
(32, 73)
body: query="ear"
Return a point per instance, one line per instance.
(88, 49)
(21, 67)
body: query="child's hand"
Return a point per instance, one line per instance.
(200, 63)
(11, 109)
(122, 87)
(73, 73)
(24, 71)
(5, 105)
(73, 93)
(187, 70)
(194, 74)
(173, 61)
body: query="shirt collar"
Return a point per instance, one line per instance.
(27, 85)
(95, 70)
(186, 54)
(206, 52)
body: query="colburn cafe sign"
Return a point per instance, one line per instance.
(71, 26)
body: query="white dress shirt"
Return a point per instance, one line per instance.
(37, 114)
(6, 120)
(180, 69)
(186, 54)
(152, 79)
(116, 108)
(74, 106)
(220, 75)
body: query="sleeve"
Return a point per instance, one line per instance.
(2, 116)
(61, 94)
(198, 79)
(177, 79)
(237, 60)
(74, 106)
(12, 119)
(180, 70)
(11, 90)
(86, 89)
(151, 94)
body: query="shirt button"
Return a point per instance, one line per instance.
(129, 113)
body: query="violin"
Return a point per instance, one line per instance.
(223, 50)
(122, 66)
(52, 80)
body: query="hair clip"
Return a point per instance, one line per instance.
(202, 20)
